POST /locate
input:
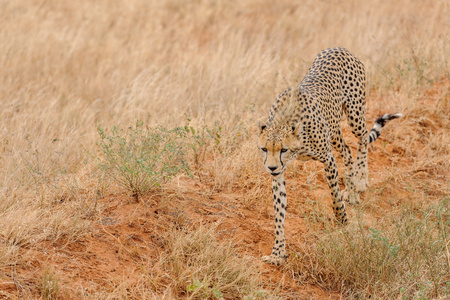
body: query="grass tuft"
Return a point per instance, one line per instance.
(203, 267)
(404, 257)
(49, 285)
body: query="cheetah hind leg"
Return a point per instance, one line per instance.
(274, 260)
(362, 179)
(361, 169)
(350, 194)
(362, 172)
(350, 197)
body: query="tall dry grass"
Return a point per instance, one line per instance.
(402, 256)
(67, 66)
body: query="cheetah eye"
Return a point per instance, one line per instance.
(264, 149)
(284, 150)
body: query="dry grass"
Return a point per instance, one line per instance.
(402, 257)
(67, 67)
(201, 267)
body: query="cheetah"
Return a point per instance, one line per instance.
(304, 124)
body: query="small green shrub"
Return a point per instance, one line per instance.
(140, 159)
(202, 137)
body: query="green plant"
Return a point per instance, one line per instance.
(141, 159)
(197, 141)
(198, 286)
(199, 138)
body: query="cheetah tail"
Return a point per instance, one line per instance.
(379, 124)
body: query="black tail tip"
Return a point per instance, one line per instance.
(387, 117)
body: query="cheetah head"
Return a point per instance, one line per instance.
(278, 146)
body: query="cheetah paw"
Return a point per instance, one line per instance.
(274, 260)
(350, 197)
(361, 186)
(361, 182)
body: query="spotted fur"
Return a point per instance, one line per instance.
(304, 123)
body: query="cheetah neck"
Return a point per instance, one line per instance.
(289, 108)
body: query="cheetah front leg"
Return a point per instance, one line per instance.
(332, 179)
(278, 255)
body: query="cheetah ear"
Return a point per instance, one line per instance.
(296, 129)
(261, 126)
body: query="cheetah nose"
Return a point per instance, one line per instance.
(272, 168)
